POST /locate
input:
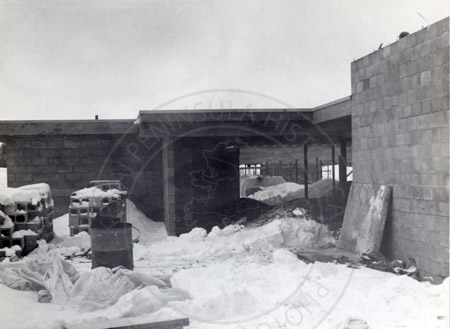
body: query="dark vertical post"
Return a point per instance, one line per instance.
(290, 171)
(343, 162)
(168, 175)
(279, 168)
(267, 168)
(317, 168)
(321, 169)
(305, 162)
(333, 162)
(296, 171)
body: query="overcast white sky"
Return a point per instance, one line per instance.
(74, 59)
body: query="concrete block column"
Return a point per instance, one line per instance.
(168, 184)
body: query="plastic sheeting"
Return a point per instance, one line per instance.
(100, 288)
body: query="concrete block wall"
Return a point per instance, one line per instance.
(68, 162)
(400, 133)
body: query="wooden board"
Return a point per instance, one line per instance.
(131, 323)
(365, 217)
(327, 255)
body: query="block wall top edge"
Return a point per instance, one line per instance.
(68, 127)
(444, 24)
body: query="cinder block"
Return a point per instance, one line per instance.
(435, 267)
(6, 231)
(423, 263)
(10, 161)
(5, 242)
(386, 51)
(38, 144)
(444, 239)
(20, 144)
(419, 206)
(443, 192)
(407, 111)
(20, 226)
(443, 208)
(423, 235)
(427, 193)
(35, 227)
(55, 144)
(46, 169)
(73, 176)
(19, 217)
(415, 235)
(104, 143)
(30, 242)
(441, 254)
(23, 178)
(46, 153)
(84, 228)
(445, 269)
(74, 231)
(71, 144)
(85, 220)
(18, 242)
(79, 211)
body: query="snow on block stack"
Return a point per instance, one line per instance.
(85, 204)
(25, 217)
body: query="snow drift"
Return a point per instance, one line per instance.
(281, 193)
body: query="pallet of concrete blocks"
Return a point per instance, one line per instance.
(25, 217)
(85, 204)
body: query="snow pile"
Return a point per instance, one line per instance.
(273, 194)
(61, 226)
(65, 245)
(282, 232)
(278, 194)
(11, 251)
(95, 192)
(249, 183)
(22, 233)
(7, 222)
(27, 193)
(149, 230)
(287, 292)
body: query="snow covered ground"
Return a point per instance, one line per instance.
(248, 278)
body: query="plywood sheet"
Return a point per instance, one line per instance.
(365, 217)
(132, 323)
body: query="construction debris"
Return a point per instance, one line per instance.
(100, 288)
(85, 204)
(25, 217)
(377, 261)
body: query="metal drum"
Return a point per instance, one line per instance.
(111, 238)
(112, 247)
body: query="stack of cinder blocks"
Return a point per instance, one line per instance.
(83, 209)
(26, 216)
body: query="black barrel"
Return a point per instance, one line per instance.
(111, 239)
(112, 247)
